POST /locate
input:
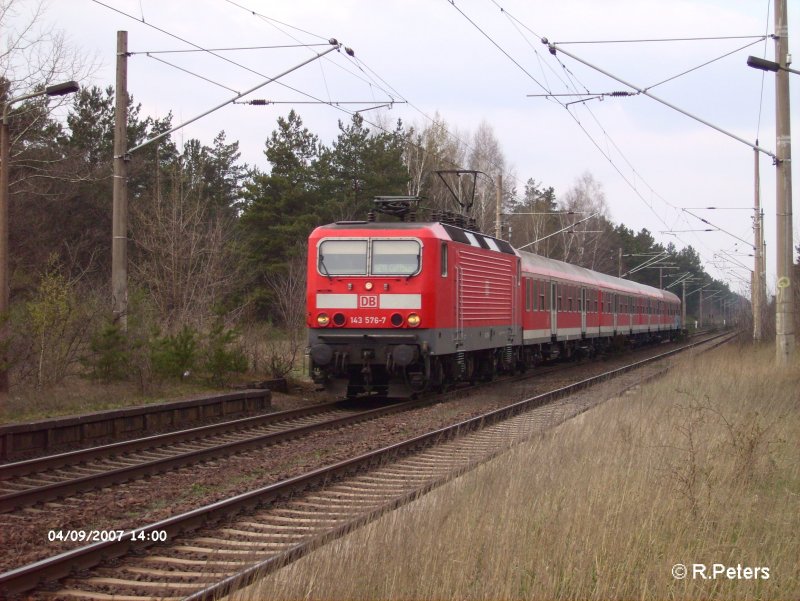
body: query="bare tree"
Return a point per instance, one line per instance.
(486, 156)
(428, 149)
(580, 244)
(531, 217)
(184, 259)
(35, 55)
(289, 289)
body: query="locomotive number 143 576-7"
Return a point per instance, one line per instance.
(368, 320)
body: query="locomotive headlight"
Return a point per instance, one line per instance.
(413, 320)
(368, 285)
(323, 319)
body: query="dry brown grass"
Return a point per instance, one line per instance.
(701, 467)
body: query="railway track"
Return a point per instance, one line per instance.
(219, 548)
(19, 441)
(47, 478)
(50, 478)
(53, 477)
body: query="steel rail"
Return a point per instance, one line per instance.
(11, 501)
(38, 438)
(248, 576)
(78, 456)
(28, 577)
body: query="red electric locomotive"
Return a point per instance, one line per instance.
(395, 308)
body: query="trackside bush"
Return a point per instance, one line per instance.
(144, 353)
(220, 360)
(175, 356)
(109, 358)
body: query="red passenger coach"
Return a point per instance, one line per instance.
(395, 308)
(579, 309)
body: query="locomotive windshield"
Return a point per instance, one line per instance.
(383, 257)
(343, 257)
(395, 257)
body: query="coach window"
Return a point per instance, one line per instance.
(541, 296)
(444, 259)
(342, 257)
(395, 257)
(527, 294)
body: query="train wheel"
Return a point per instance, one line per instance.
(438, 375)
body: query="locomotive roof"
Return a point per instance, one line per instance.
(536, 263)
(440, 230)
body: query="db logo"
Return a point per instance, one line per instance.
(368, 301)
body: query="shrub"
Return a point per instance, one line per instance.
(175, 356)
(50, 332)
(221, 361)
(110, 356)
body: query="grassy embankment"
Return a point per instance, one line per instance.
(701, 467)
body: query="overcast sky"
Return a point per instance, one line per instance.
(650, 159)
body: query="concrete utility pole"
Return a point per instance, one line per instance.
(498, 223)
(784, 314)
(700, 311)
(758, 275)
(119, 241)
(683, 306)
(5, 154)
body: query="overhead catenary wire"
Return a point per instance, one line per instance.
(679, 215)
(705, 64)
(527, 73)
(227, 49)
(763, 75)
(334, 46)
(656, 40)
(272, 21)
(604, 152)
(212, 53)
(192, 73)
(577, 121)
(334, 104)
(379, 82)
(372, 77)
(553, 50)
(435, 120)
